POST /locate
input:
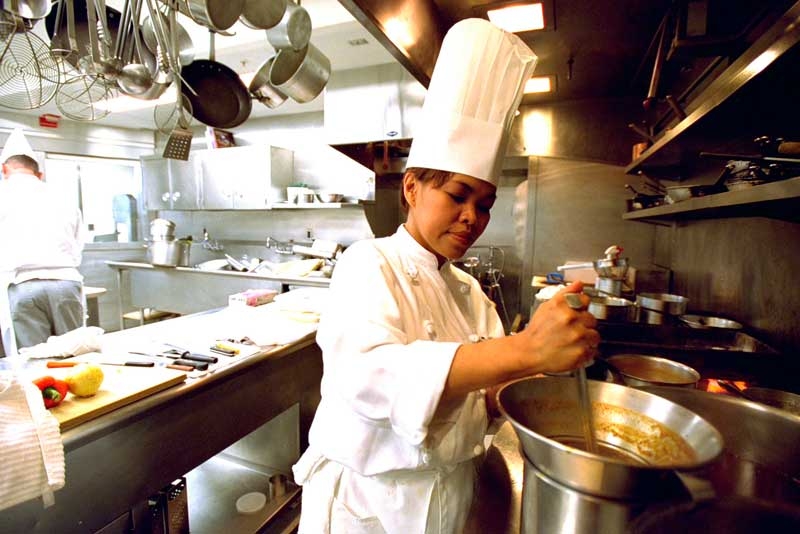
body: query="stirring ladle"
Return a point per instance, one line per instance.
(574, 302)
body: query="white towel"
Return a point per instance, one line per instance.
(73, 343)
(33, 454)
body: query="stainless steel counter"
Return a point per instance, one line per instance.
(119, 459)
(186, 290)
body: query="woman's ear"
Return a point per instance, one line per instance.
(410, 189)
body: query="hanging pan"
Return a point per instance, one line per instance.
(219, 98)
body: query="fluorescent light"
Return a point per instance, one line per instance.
(518, 18)
(539, 84)
(124, 103)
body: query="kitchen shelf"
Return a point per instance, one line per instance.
(736, 106)
(776, 199)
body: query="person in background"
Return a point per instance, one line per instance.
(410, 343)
(42, 244)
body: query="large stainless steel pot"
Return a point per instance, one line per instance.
(302, 74)
(663, 303)
(217, 15)
(760, 457)
(642, 438)
(164, 253)
(612, 308)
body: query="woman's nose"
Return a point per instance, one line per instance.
(468, 214)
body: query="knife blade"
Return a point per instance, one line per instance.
(131, 363)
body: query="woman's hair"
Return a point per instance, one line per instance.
(436, 177)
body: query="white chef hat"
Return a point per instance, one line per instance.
(475, 90)
(16, 145)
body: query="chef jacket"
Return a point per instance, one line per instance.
(388, 340)
(39, 235)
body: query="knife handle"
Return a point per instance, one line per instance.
(200, 366)
(180, 367)
(201, 358)
(139, 364)
(52, 365)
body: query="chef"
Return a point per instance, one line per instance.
(413, 344)
(41, 237)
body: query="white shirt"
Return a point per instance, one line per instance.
(388, 339)
(40, 237)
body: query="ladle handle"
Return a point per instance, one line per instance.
(571, 266)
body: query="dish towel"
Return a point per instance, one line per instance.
(33, 453)
(73, 343)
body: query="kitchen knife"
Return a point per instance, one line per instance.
(199, 366)
(200, 358)
(130, 363)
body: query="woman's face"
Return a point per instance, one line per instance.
(447, 219)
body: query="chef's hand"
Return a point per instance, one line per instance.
(560, 337)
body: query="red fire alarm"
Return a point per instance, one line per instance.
(48, 120)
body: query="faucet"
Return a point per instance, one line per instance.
(208, 244)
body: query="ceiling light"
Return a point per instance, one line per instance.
(518, 17)
(540, 84)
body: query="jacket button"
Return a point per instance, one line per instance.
(426, 458)
(478, 450)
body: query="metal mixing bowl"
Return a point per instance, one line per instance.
(642, 370)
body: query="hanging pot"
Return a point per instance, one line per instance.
(261, 15)
(217, 15)
(301, 74)
(28, 9)
(262, 90)
(293, 31)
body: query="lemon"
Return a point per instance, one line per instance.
(85, 380)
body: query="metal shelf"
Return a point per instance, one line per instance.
(776, 199)
(679, 143)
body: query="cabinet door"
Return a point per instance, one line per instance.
(183, 184)
(252, 185)
(217, 179)
(155, 184)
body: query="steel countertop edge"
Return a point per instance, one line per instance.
(299, 280)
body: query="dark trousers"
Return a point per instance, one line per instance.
(44, 308)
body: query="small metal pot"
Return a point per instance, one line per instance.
(162, 230)
(663, 303)
(293, 31)
(164, 253)
(216, 15)
(612, 309)
(262, 90)
(301, 74)
(704, 322)
(642, 370)
(261, 14)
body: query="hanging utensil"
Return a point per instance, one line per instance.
(135, 79)
(183, 48)
(29, 74)
(179, 142)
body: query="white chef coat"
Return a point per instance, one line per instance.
(39, 235)
(382, 447)
(40, 238)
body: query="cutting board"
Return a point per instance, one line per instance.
(121, 386)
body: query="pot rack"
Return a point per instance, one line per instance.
(91, 47)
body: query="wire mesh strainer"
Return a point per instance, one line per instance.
(166, 114)
(29, 75)
(78, 97)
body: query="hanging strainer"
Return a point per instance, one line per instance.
(166, 114)
(29, 76)
(82, 97)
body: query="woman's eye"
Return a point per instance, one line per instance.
(458, 198)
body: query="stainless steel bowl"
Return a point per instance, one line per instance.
(663, 303)
(330, 197)
(643, 370)
(702, 321)
(642, 438)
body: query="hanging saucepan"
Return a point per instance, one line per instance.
(60, 38)
(293, 31)
(185, 46)
(217, 15)
(261, 15)
(218, 97)
(300, 74)
(262, 90)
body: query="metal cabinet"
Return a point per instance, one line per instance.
(244, 178)
(170, 183)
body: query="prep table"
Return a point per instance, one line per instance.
(119, 458)
(186, 290)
